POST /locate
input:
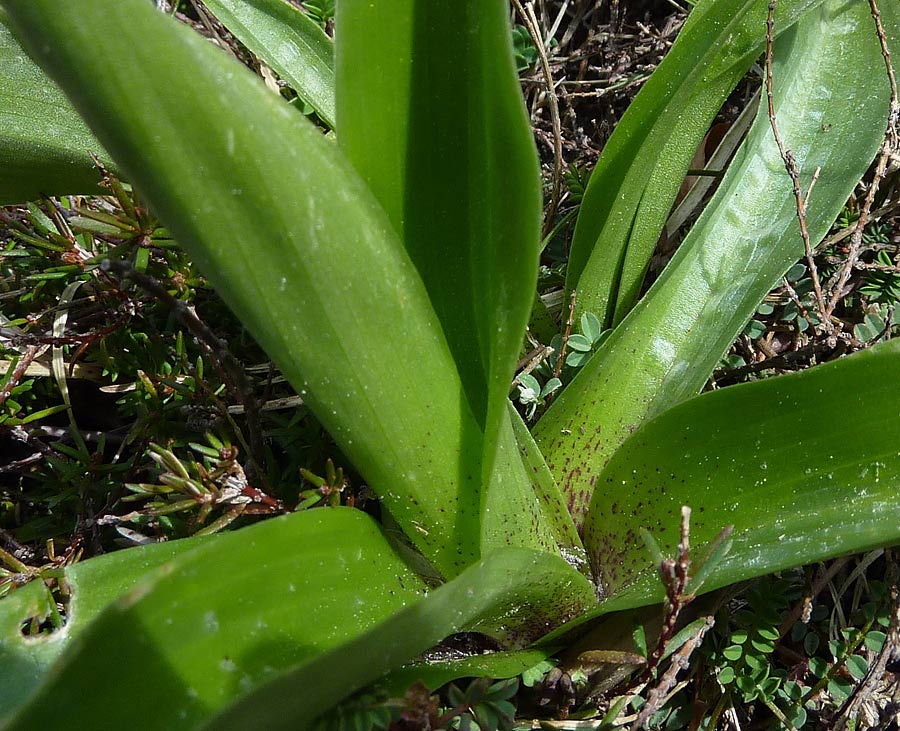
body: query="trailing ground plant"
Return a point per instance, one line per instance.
(390, 275)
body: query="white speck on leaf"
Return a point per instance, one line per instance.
(210, 622)
(227, 664)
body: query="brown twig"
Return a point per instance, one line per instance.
(12, 546)
(794, 298)
(566, 335)
(531, 361)
(792, 360)
(888, 148)
(657, 696)
(531, 23)
(93, 336)
(675, 575)
(31, 352)
(844, 233)
(790, 165)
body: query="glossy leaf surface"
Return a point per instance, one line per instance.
(437, 672)
(805, 467)
(93, 585)
(431, 115)
(740, 247)
(552, 503)
(219, 620)
(45, 148)
(515, 594)
(290, 42)
(294, 242)
(516, 511)
(631, 190)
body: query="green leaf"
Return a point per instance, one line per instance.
(434, 674)
(45, 147)
(530, 383)
(796, 715)
(875, 640)
(591, 326)
(542, 323)
(639, 636)
(508, 594)
(806, 467)
(553, 508)
(431, 114)
(745, 240)
(517, 511)
(554, 384)
(576, 359)
(719, 548)
(93, 585)
(580, 343)
(289, 41)
(839, 689)
(858, 666)
(281, 224)
(215, 622)
(631, 190)
(686, 633)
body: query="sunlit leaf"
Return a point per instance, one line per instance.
(92, 585)
(631, 190)
(431, 115)
(805, 467)
(743, 243)
(291, 238)
(289, 41)
(511, 594)
(217, 621)
(45, 148)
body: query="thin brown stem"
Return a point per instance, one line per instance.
(566, 335)
(31, 352)
(675, 575)
(531, 23)
(790, 165)
(658, 695)
(888, 148)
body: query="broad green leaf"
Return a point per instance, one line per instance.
(805, 467)
(294, 242)
(431, 115)
(93, 584)
(553, 506)
(643, 164)
(45, 148)
(215, 622)
(514, 593)
(743, 243)
(518, 501)
(435, 673)
(290, 42)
